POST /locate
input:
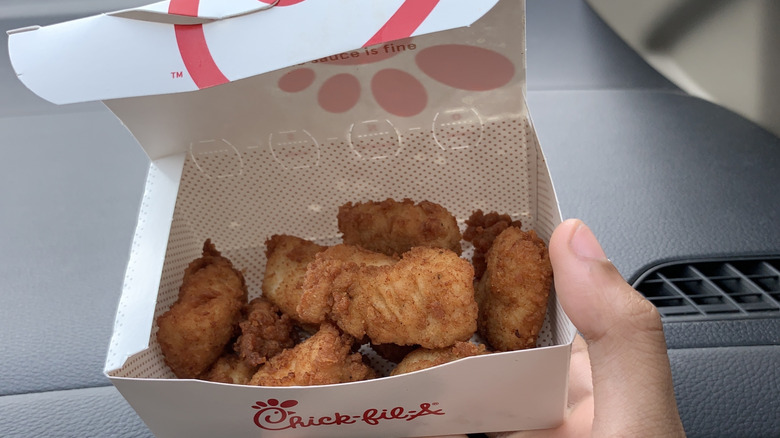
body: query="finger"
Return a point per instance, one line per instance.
(580, 379)
(632, 383)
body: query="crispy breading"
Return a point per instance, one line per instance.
(265, 332)
(325, 358)
(481, 230)
(194, 332)
(423, 358)
(392, 227)
(229, 368)
(287, 258)
(317, 297)
(512, 294)
(425, 298)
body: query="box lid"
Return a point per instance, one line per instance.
(184, 45)
(142, 61)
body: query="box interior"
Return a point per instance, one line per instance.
(438, 117)
(238, 201)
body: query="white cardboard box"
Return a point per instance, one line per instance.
(262, 120)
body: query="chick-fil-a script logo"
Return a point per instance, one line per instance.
(275, 415)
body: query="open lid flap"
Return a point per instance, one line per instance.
(195, 12)
(156, 50)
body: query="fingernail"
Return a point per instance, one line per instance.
(585, 245)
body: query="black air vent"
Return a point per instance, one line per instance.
(743, 288)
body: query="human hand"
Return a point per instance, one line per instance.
(620, 382)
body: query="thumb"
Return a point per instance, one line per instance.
(632, 381)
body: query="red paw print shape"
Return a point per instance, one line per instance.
(399, 92)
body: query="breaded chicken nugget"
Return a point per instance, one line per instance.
(481, 230)
(287, 258)
(317, 298)
(204, 319)
(426, 298)
(325, 358)
(229, 368)
(265, 332)
(423, 358)
(512, 295)
(392, 227)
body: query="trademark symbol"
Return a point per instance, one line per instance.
(177, 74)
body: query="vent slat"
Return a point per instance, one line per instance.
(717, 289)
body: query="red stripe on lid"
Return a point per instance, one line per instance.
(197, 57)
(404, 22)
(184, 7)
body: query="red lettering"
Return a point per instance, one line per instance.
(343, 419)
(369, 417)
(387, 50)
(296, 421)
(275, 418)
(383, 415)
(397, 413)
(337, 419)
(372, 416)
(425, 409)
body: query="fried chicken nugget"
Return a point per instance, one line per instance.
(426, 298)
(512, 295)
(423, 358)
(230, 368)
(287, 258)
(193, 333)
(317, 297)
(325, 358)
(481, 230)
(392, 227)
(265, 332)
